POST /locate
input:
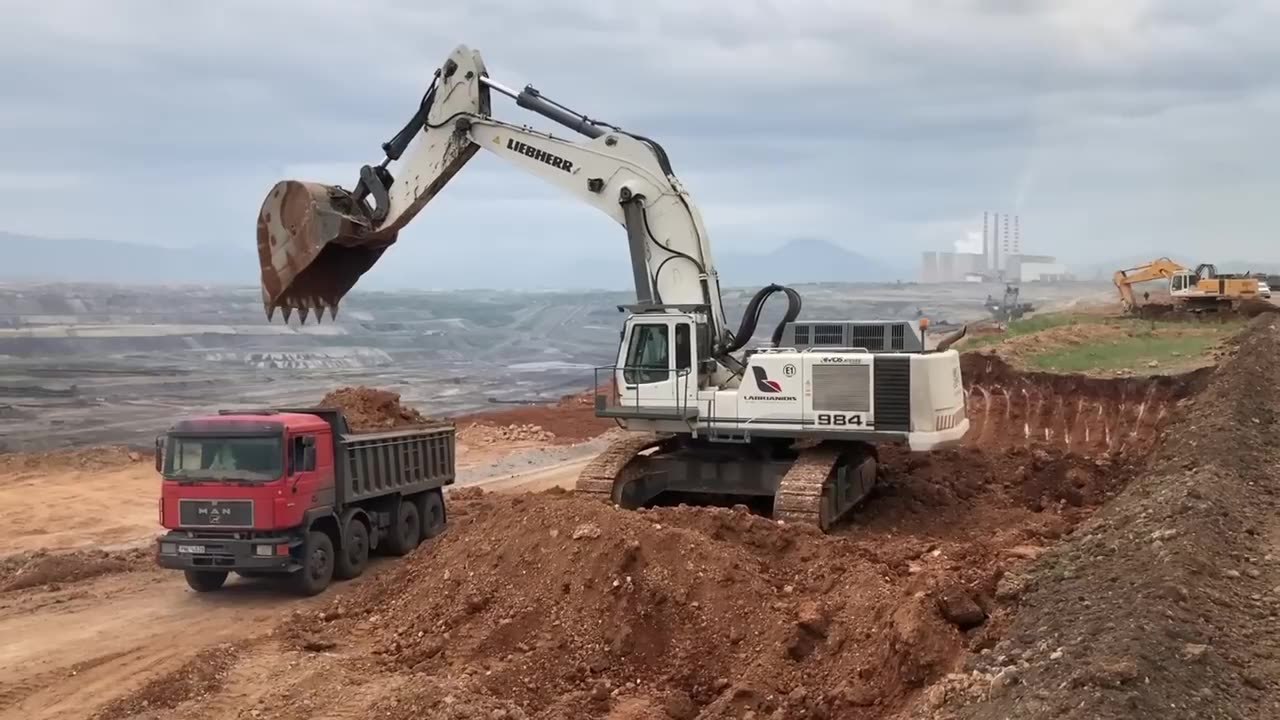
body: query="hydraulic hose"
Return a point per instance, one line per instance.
(751, 316)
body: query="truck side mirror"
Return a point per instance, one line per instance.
(308, 441)
(309, 455)
(159, 453)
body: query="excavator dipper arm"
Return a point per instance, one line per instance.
(1156, 269)
(315, 241)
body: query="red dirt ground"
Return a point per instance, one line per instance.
(571, 420)
(1098, 548)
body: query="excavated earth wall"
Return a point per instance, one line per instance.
(1166, 603)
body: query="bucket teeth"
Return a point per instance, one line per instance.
(287, 312)
(303, 312)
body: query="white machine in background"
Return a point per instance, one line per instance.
(797, 420)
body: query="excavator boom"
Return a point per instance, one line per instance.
(315, 241)
(1156, 269)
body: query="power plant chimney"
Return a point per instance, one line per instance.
(986, 243)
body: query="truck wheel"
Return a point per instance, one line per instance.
(432, 514)
(406, 533)
(354, 554)
(205, 580)
(317, 565)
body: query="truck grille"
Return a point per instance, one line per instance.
(215, 513)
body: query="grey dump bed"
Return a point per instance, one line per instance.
(403, 461)
(391, 461)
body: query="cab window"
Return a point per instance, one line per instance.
(298, 454)
(648, 355)
(684, 349)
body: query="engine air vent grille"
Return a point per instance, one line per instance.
(893, 392)
(844, 388)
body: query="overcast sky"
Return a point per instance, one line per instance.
(1111, 126)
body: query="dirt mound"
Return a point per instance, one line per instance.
(488, 434)
(1088, 415)
(369, 410)
(570, 420)
(561, 605)
(102, 457)
(554, 606)
(1253, 307)
(1166, 603)
(1249, 308)
(28, 570)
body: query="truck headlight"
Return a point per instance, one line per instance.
(264, 550)
(168, 548)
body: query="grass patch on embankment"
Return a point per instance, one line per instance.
(1095, 343)
(1030, 326)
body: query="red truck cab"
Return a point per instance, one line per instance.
(293, 492)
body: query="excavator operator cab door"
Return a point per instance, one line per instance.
(656, 362)
(1180, 284)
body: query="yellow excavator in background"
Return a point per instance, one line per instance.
(1197, 290)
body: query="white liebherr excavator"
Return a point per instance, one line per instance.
(797, 420)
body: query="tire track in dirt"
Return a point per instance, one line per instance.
(70, 648)
(138, 624)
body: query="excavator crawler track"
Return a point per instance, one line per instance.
(825, 483)
(606, 476)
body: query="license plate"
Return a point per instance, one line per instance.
(192, 549)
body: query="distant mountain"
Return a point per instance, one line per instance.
(805, 260)
(27, 258)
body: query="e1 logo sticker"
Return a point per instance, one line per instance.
(789, 370)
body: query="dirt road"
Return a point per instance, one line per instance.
(72, 648)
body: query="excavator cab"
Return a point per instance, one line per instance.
(1181, 282)
(657, 375)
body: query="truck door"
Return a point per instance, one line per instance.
(308, 472)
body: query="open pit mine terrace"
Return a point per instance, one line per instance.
(1097, 548)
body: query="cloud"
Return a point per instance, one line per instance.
(887, 127)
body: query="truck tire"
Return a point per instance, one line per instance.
(406, 533)
(205, 580)
(354, 555)
(317, 565)
(431, 514)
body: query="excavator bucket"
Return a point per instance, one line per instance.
(315, 240)
(313, 245)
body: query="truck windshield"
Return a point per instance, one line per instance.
(224, 458)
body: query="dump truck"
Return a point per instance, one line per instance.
(295, 493)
